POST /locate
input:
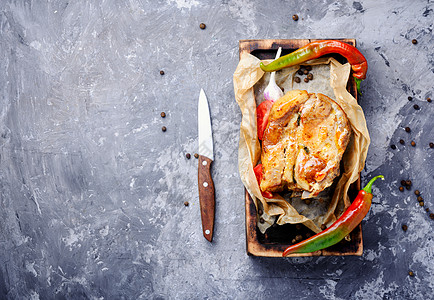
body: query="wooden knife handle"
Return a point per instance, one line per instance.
(206, 196)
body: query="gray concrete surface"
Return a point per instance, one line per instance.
(92, 191)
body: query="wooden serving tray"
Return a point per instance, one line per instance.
(277, 238)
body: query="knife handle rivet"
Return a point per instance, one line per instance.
(204, 162)
(205, 184)
(207, 231)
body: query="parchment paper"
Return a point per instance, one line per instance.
(330, 79)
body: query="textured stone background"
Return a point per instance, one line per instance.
(92, 191)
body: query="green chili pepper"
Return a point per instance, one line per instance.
(341, 227)
(320, 48)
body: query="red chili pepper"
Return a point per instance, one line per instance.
(258, 174)
(320, 48)
(262, 113)
(341, 227)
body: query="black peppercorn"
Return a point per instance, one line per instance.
(297, 79)
(305, 72)
(417, 192)
(163, 128)
(161, 72)
(261, 220)
(408, 182)
(298, 237)
(431, 215)
(309, 68)
(416, 107)
(401, 141)
(420, 198)
(306, 80)
(413, 143)
(310, 76)
(300, 72)
(188, 155)
(403, 182)
(411, 273)
(431, 145)
(196, 155)
(393, 147)
(404, 227)
(410, 98)
(202, 26)
(421, 203)
(323, 227)
(401, 188)
(407, 129)
(414, 41)
(186, 203)
(163, 114)
(295, 17)
(260, 212)
(428, 99)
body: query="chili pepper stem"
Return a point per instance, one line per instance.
(368, 187)
(358, 82)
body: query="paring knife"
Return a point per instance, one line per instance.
(205, 182)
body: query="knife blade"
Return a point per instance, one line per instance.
(206, 157)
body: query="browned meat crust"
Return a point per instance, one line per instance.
(303, 143)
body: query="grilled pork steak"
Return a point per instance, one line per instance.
(303, 143)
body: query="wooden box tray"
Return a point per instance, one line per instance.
(277, 238)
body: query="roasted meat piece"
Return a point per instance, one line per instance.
(303, 143)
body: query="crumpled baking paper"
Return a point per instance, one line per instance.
(330, 79)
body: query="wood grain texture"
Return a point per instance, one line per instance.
(206, 196)
(275, 240)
